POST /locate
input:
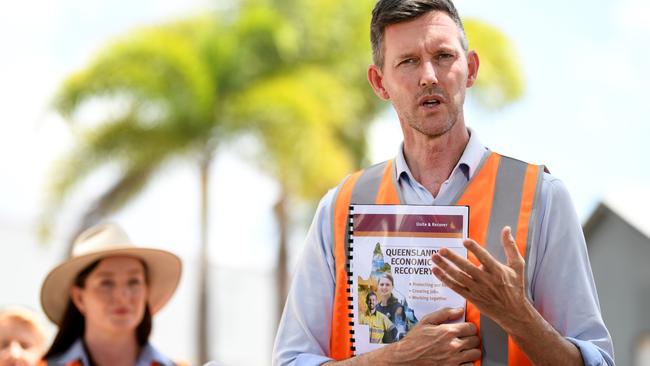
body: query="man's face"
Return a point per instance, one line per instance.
(372, 303)
(425, 73)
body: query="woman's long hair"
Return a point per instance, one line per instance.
(73, 323)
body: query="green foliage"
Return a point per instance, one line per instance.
(500, 81)
(290, 74)
(151, 65)
(335, 36)
(295, 118)
(280, 73)
(160, 99)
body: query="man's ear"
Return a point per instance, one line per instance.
(375, 78)
(76, 294)
(472, 66)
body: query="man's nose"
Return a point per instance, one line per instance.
(428, 76)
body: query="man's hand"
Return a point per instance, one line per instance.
(497, 290)
(430, 342)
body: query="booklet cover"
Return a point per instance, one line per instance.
(392, 284)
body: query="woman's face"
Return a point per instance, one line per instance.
(385, 287)
(114, 297)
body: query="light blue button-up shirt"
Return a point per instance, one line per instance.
(559, 274)
(77, 352)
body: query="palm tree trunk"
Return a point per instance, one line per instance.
(202, 319)
(281, 279)
(110, 201)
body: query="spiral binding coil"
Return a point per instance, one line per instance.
(350, 254)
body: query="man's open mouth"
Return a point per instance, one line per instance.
(430, 101)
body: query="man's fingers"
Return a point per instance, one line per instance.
(465, 330)
(470, 355)
(443, 315)
(513, 256)
(483, 256)
(459, 276)
(460, 262)
(470, 342)
(451, 283)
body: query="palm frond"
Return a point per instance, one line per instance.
(151, 65)
(500, 80)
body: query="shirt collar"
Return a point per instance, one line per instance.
(468, 163)
(76, 352)
(148, 355)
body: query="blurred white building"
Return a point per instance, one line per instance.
(618, 240)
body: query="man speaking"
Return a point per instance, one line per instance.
(530, 293)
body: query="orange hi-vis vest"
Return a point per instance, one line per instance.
(503, 191)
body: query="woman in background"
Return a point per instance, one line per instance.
(103, 300)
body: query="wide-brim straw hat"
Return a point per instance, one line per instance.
(103, 241)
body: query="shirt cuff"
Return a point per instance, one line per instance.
(306, 359)
(592, 355)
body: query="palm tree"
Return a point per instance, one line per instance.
(164, 89)
(167, 92)
(160, 96)
(295, 118)
(314, 133)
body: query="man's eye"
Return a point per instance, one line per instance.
(445, 57)
(106, 283)
(407, 61)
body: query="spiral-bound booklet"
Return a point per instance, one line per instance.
(391, 278)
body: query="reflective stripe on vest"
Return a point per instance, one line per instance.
(503, 191)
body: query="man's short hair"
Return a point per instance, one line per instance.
(388, 12)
